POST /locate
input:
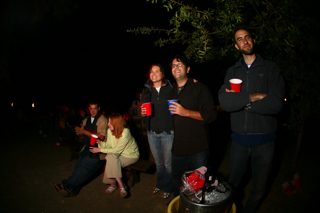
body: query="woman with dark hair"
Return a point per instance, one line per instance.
(159, 126)
(121, 149)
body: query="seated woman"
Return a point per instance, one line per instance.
(121, 149)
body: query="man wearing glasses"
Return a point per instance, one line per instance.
(191, 115)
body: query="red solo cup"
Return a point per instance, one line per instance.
(93, 140)
(58, 145)
(287, 188)
(169, 104)
(148, 108)
(235, 84)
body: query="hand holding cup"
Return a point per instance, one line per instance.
(146, 109)
(172, 105)
(98, 142)
(143, 111)
(93, 140)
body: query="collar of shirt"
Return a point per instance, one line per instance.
(246, 66)
(180, 89)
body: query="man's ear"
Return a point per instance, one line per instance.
(236, 46)
(188, 69)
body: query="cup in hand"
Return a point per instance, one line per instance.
(93, 140)
(235, 84)
(148, 108)
(174, 100)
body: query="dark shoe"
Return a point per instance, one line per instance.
(69, 193)
(57, 186)
(62, 191)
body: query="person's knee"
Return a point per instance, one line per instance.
(113, 156)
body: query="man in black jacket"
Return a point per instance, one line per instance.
(253, 111)
(192, 114)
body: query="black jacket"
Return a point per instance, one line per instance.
(262, 77)
(160, 120)
(190, 135)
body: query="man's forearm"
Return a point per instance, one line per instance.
(194, 115)
(257, 96)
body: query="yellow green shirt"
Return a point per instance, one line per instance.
(125, 145)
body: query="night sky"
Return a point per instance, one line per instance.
(87, 54)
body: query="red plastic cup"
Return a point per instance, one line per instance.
(148, 108)
(287, 188)
(93, 140)
(235, 84)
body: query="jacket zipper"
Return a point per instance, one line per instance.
(246, 111)
(158, 105)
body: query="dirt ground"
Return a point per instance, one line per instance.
(31, 163)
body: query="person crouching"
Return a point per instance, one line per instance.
(121, 149)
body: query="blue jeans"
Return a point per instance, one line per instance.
(161, 145)
(84, 170)
(260, 158)
(184, 163)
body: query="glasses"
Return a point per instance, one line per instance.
(177, 65)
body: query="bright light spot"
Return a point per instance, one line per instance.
(11, 104)
(32, 105)
(285, 99)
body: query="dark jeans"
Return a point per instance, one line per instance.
(260, 158)
(184, 163)
(84, 170)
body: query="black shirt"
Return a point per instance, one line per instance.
(190, 135)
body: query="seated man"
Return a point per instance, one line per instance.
(88, 164)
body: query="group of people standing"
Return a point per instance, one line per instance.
(178, 135)
(179, 142)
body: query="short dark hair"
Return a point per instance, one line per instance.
(181, 58)
(94, 102)
(241, 28)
